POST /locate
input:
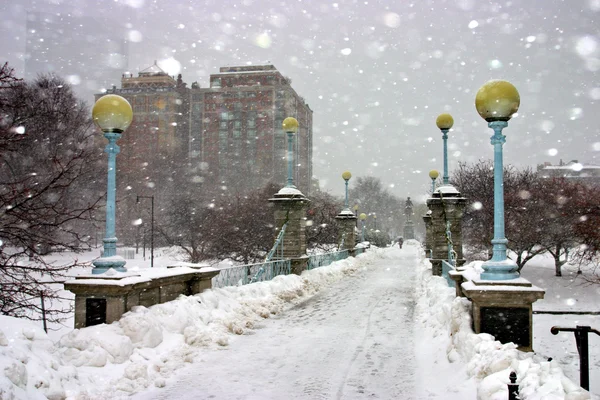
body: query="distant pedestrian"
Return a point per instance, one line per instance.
(400, 242)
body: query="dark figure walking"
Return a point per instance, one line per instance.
(400, 242)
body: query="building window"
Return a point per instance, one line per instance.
(223, 125)
(237, 106)
(237, 124)
(216, 82)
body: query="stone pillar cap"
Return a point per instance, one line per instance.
(288, 193)
(346, 214)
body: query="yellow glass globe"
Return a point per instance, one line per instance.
(497, 100)
(444, 121)
(346, 175)
(362, 216)
(112, 113)
(433, 174)
(290, 124)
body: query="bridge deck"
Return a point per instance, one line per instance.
(353, 340)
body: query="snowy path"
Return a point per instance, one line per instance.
(353, 340)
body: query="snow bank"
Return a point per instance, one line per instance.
(486, 360)
(147, 344)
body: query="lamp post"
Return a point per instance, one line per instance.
(433, 174)
(112, 114)
(444, 122)
(290, 126)
(346, 177)
(137, 200)
(363, 217)
(356, 213)
(496, 102)
(375, 221)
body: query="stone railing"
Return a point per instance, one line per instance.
(105, 298)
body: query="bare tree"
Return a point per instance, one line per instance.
(322, 230)
(374, 199)
(216, 226)
(522, 210)
(586, 230)
(48, 189)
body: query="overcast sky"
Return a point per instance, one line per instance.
(376, 73)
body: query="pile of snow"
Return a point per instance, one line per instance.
(147, 344)
(478, 358)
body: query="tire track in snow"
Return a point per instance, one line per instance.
(360, 348)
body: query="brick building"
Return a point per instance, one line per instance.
(225, 138)
(235, 127)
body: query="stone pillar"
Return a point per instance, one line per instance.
(290, 207)
(428, 234)
(504, 309)
(347, 222)
(446, 204)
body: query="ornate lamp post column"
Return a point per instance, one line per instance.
(346, 177)
(112, 114)
(433, 174)
(444, 122)
(363, 217)
(290, 126)
(356, 213)
(496, 102)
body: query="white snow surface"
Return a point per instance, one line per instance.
(375, 326)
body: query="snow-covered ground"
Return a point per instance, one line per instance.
(375, 326)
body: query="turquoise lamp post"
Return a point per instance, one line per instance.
(496, 102)
(433, 174)
(346, 177)
(112, 114)
(290, 126)
(363, 217)
(444, 122)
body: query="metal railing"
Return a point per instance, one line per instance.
(358, 250)
(341, 246)
(277, 250)
(581, 340)
(446, 268)
(323, 260)
(245, 274)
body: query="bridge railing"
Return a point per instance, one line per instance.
(244, 274)
(324, 259)
(446, 268)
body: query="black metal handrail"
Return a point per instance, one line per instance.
(581, 339)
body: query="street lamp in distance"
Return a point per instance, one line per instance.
(137, 201)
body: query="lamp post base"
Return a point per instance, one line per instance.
(499, 270)
(103, 264)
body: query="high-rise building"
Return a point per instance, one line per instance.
(227, 138)
(238, 121)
